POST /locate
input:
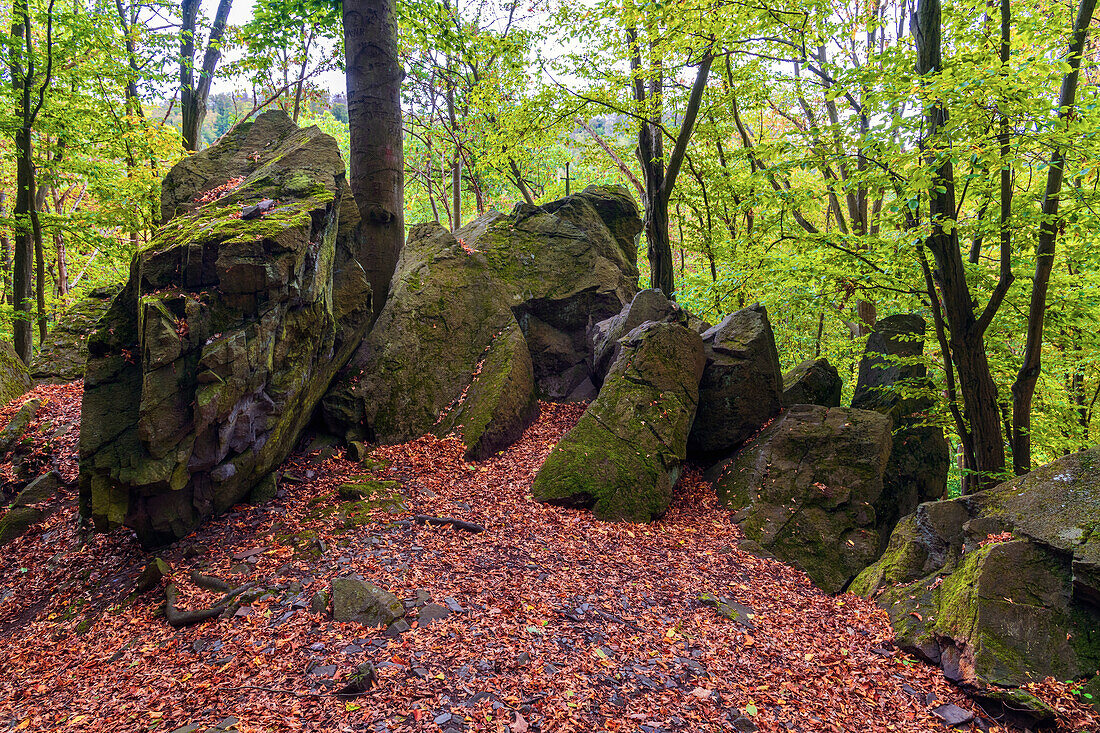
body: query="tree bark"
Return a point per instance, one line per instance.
(659, 180)
(521, 184)
(374, 112)
(193, 95)
(1023, 389)
(967, 343)
(5, 254)
(21, 61)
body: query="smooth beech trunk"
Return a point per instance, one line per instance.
(374, 114)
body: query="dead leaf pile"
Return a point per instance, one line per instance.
(553, 621)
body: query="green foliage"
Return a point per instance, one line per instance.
(803, 185)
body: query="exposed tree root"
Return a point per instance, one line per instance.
(179, 619)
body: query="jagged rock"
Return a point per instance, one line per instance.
(209, 363)
(354, 599)
(151, 576)
(624, 455)
(15, 380)
(813, 382)
(17, 521)
(501, 402)
(18, 425)
(892, 371)
(65, 350)
(742, 386)
(893, 380)
(43, 488)
(549, 269)
(808, 487)
(265, 490)
(25, 511)
(1001, 587)
(319, 602)
(647, 306)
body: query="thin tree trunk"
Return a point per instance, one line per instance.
(967, 344)
(5, 254)
(521, 184)
(623, 167)
(659, 180)
(374, 111)
(302, 76)
(22, 67)
(1023, 389)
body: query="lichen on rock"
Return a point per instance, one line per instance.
(805, 490)
(540, 275)
(65, 350)
(15, 379)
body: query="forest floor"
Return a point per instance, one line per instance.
(556, 621)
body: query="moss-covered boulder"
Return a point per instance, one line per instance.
(742, 386)
(15, 379)
(624, 455)
(813, 382)
(354, 599)
(210, 361)
(545, 271)
(892, 369)
(26, 511)
(806, 490)
(1001, 587)
(13, 432)
(65, 350)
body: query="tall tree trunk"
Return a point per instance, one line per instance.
(967, 343)
(22, 270)
(374, 112)
(5, 253)
(22, 66)
(39, 261)
(1023, 389)
(193, 95)
(659, 180)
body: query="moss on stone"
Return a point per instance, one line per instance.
(15, 379)
(367, 488)
(624, 455)
(902, 561)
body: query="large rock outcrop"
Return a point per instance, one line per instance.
(742, 386)
(624, 455)
(542, 274)
(15, 379)
(813, 382)
(808, 489)
(893, 380)
(65, 350)
(210, 361)
(1001, 587)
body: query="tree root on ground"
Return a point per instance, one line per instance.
(210, 582)
(442, 521)
(179, 619)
